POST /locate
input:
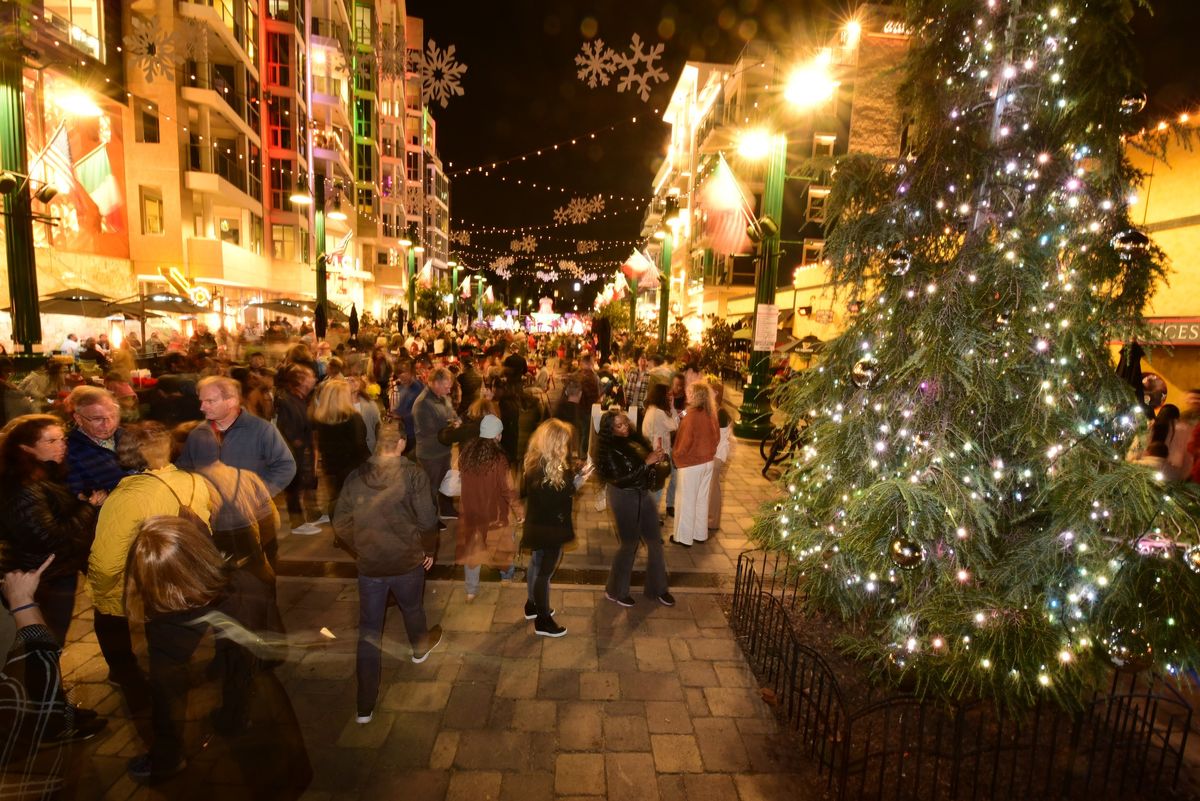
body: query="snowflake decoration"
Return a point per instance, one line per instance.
(542, 275)
(587, 246)
(596, 204)
(460, 237)
(152, 49)
(560, 215)
(431, 204)
(440, 74)
(589, 278)
(596, 63)
(501, 266)
(526, 244)
(638, 55)
(391, 55)
(191, 40)
(568, 267)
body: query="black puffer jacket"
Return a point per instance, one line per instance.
(621, 462)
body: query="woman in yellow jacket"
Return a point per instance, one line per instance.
(159, 489)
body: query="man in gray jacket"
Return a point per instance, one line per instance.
(385, 516)
(432, 413)
(243, 440)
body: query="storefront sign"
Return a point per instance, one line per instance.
(1177, 331)
(181, 284)
(766, 326)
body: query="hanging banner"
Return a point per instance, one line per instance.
(766, 326)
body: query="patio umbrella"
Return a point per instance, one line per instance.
(353, 321)
(321, 320)
(166, 302)
(78, 302)
(743, 333)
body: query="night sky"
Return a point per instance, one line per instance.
(521, 94)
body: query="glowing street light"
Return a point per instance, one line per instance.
(754, 144)
(812, 84)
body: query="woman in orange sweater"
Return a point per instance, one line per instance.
(694, 450)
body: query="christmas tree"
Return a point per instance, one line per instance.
(963, 501)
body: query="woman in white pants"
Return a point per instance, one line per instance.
(695, 448)
(723, 455)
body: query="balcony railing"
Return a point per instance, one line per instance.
(225, 163)
(228, 15)
(246, 108)
(332, 30)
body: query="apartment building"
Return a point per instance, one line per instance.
(187, 141)
(716, 108)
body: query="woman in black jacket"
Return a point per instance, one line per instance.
(341, 435)
(43, 517)
(626, 464)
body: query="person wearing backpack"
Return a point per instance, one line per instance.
(157, 488)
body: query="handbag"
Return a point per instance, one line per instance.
(451, 485)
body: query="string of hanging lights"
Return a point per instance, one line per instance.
(545, 150)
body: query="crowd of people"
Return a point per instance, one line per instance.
(162, 500)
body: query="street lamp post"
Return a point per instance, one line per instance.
(18, 208)
(322, 261)
(453, 265)
(664, 286)
(755, 413)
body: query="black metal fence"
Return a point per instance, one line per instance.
(1126, 742)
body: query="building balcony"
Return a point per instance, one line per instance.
(209, 88)
(330, 146)
(227, 30)
(331, 35)
(222, 174)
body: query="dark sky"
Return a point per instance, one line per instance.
(522, 93)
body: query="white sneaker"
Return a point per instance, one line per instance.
(321, 521)
(365, 718)
(307, 529)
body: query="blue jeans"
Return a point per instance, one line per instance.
(471, 579)
(373, 591)
(670, 490)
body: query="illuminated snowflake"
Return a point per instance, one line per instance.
(440, 74)
(501, 266)
(587, 246)
(152, 49)
(460, 237)
(568, 267)
(560, 215)
(639, 55)
(589, 278)
(596, 204)
(596, 63)
(391, 54)
(526, 244)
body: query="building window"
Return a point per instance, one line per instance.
(364, 163)
(281, 185)
(365, 79)
(279, 59)
(817, 195)
(256, 234)
(152, 210)
(814, 251)
(412, 161)
(230, 229)
(145, 119)
(280, 118)
(283, 242)
(823, 145)
(364, 118)
(366, 202)
(304, 246)
(364, 30)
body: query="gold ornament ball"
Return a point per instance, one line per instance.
(906, 554)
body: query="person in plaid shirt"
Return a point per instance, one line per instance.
(635, 383)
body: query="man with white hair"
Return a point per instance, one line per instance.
(244, 440)
(92, 444)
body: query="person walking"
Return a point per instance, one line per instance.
(92, 444)
(433, 412)
(485, 528)
(295, 386)
(43, 517)
(550, 482)
(341, 435)
(693, 454)
(630, 469)
(387, 519)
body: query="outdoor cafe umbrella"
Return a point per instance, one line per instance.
(300, 308)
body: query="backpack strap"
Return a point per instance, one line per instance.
(171, 489)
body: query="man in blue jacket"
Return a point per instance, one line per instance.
(245, 441)
(92, 443)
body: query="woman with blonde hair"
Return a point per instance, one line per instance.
(551, 479)
(694, 451)
(341, 435)
(722, 457)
